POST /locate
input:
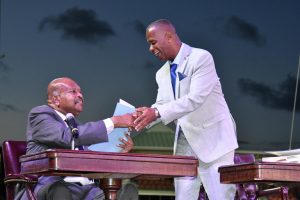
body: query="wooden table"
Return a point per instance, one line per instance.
(282, 173)
(109, 167)
(260, 172)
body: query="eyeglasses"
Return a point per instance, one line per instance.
(72, 91)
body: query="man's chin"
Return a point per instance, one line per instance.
(78, 111)
(161, 58)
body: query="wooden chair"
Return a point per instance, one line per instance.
(13, 180)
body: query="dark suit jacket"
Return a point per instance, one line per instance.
(46, 130)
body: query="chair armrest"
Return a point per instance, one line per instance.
(29, 180)
(20, 178)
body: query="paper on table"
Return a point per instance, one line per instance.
(285, 152)
(113, 138)
(285, 159)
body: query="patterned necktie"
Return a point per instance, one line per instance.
(173, 76)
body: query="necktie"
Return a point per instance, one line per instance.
(173, 76)
(80, 147)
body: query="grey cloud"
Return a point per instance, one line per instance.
(280, 97)
(4, 71)
(140, 27)
(236, 27)
(3, 67)
(78, 24)
(8, 107)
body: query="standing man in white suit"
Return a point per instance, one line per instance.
(194, 100)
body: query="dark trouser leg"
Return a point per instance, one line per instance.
(128, 192)
(54, 191)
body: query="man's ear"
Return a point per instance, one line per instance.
(56, 100)
(168, 35)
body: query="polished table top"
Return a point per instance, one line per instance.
(107, 165)
(260, 172)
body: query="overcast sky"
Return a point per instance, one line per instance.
(101, 44)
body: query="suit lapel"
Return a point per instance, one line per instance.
(181, 67)
(167, 76)
(167, 80)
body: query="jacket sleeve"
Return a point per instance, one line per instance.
(46, 128)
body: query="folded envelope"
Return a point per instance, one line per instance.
(113, 138)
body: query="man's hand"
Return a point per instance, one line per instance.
(126, 145)
(144, 116)
(123, 121)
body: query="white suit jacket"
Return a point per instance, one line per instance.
(198, 107)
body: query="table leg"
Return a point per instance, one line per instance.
(285, 193)
(110, 187)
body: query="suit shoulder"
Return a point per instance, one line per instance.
(42, 113)
(201, 56)
(41, 109)
(200, 52)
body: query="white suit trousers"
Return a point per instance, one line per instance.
(208, 175)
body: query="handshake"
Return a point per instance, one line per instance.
(138, 120)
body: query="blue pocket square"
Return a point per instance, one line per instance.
(181, 76)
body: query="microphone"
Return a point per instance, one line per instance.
(70, 120)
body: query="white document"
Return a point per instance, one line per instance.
(122, 107)
(78, 179)
(284, 159)
(285, 152)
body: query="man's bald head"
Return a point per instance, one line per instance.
(163, 25)
(163, 39)
(56, 85)
(64, 95)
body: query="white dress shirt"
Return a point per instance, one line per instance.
(83, 180)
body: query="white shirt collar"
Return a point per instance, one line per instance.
(179, 56)
(62, 116)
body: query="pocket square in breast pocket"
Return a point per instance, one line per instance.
(181, 76)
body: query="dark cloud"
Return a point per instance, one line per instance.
(78, 24)
(236, 27)
(280, 97)
(3, 67)
(140, 27)
(4, 70)
(8, 107)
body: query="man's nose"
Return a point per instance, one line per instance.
(151, 49)
(79, 94)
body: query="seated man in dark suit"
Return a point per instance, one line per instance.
(47, 129)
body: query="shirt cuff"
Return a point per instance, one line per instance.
(109, 125)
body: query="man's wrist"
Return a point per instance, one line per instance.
(109, 124)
